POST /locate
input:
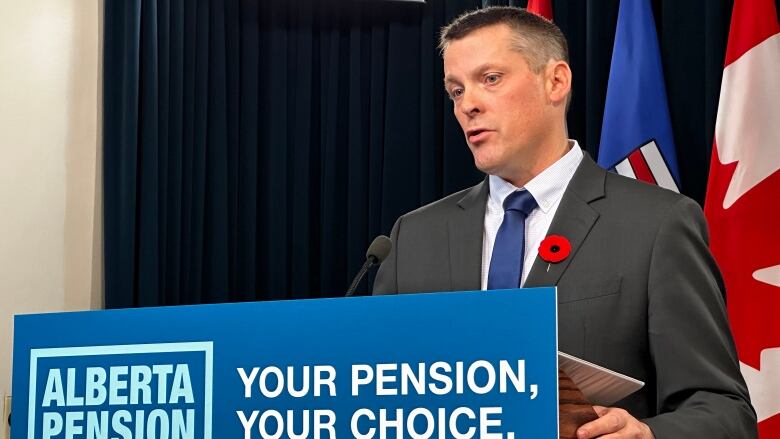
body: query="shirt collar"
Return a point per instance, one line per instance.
(547, 187)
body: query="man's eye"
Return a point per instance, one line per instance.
(456, 93)
(492, 79)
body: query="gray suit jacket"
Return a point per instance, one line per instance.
(639, 293)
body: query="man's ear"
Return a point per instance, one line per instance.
(558, 76)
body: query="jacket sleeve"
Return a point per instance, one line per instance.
(386, 281)
(700, 391)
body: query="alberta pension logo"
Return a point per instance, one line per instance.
(144, 391)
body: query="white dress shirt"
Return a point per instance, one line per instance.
(547, 189)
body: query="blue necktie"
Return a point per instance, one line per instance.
(506, 264)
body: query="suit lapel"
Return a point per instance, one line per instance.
(573, 220)
(464, 231)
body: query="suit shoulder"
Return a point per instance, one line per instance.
(447, 204)
(640, 195)
(628, 201)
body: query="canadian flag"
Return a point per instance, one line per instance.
(541, 7)
(743, 200)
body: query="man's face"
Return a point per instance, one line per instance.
(500, 103)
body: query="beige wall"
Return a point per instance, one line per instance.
(49, 175)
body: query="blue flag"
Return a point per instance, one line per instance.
(636, 135)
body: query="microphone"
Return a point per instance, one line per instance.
(377, 252)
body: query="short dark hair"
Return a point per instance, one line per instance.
(536, 38)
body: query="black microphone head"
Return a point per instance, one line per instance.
(379, 249)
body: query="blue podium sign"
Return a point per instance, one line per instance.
(444, 365)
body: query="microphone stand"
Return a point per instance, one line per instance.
(370, 262)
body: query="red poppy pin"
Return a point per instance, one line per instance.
(554, 249)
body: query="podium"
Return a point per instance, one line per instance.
(464, 365)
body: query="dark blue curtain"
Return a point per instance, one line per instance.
(252, 149)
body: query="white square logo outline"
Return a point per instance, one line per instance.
(207, 347)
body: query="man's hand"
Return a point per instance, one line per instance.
(614, 423)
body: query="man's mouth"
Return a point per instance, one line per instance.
(476, 135)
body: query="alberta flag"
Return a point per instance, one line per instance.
(636, 135)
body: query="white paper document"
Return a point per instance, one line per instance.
(600, 385)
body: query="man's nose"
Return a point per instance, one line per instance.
(471, 103)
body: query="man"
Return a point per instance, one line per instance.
(638, 293)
